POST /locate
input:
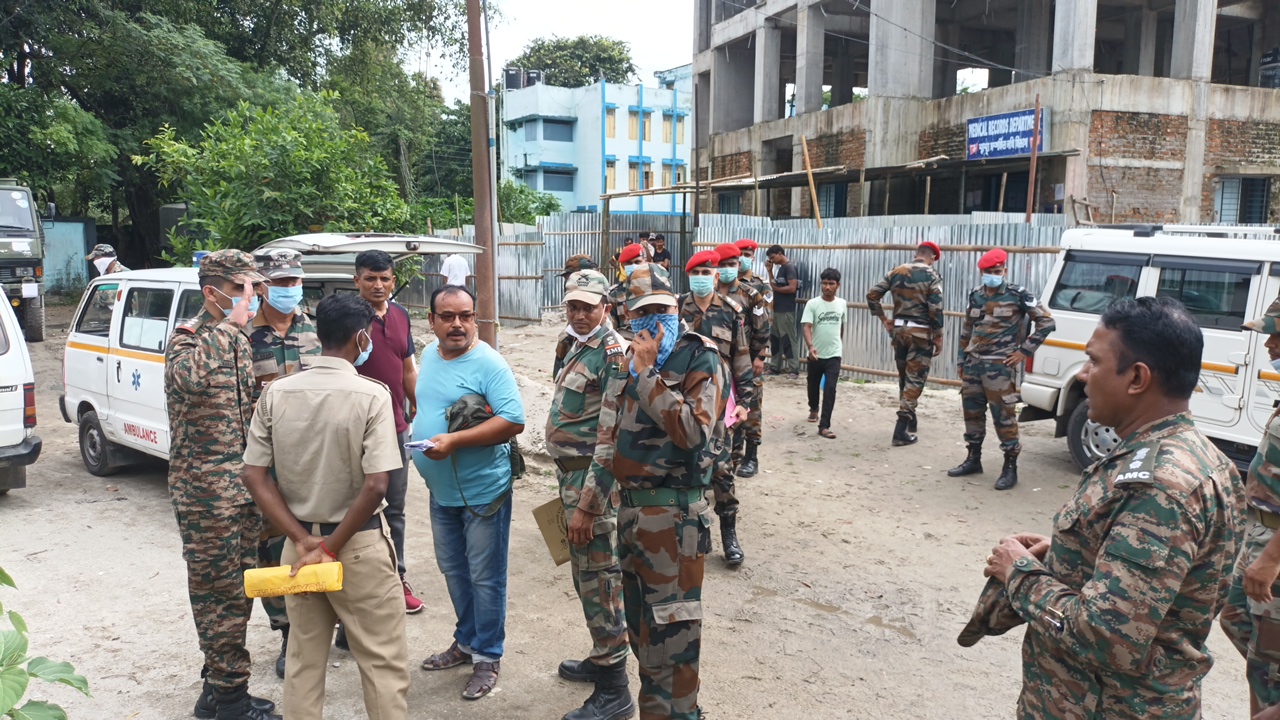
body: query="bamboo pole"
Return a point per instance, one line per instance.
(1035, 156)
(813, 189)
(928, 192)
(1004, 180)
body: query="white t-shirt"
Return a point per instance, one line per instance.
(455, 270)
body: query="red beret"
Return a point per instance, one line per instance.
(937, 252)
(630, 252)
(706, 257)
(728, 251)
(992, 259)
(745, 244)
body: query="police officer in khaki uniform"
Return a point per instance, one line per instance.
(330, 434)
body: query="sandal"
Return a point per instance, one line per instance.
(826, 433)
(813, 417)
(484, 678)
(452, 657)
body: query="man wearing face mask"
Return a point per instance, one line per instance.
(755, 315)
(994, 343)
(629, 258)
(720, 318)
(281, 335)
(103, 257)
(208, 384)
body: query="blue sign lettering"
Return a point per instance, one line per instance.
(1007, 135)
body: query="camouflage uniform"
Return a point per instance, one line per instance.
(917, 322)
(755, 418)
(661, 454)
(103, 250)
(1121, 608)
(564, 342)
(993, 330)
(757, 322)
(618, 311)
(209, 384)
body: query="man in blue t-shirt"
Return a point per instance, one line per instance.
(469, 476)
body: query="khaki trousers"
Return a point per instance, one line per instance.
(371, 606)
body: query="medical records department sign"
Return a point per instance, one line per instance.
(1007, 135)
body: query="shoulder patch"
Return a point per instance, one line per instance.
(1138, 468)
(732, 303)
(706, 341)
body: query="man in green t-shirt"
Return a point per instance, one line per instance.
(823, 323)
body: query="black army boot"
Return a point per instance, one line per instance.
(972, 464)
(611, 699)
(911, 426)
(900, 435)
(235, 704)
(580, 671)
(1009, 473)
(284, 650)
(729, 539)
(750, 464)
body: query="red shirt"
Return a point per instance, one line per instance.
(392, 343)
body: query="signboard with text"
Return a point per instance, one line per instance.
(1007, 135)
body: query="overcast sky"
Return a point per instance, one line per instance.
(660, 33)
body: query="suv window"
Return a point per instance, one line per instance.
(1216, 298)
(146, 319)
(1092, 282)
(95, 318)
(190, 305)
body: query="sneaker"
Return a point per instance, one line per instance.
(411, 603)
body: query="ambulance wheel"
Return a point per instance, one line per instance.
(1088, 441)
(95, 448)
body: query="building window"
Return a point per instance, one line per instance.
(611, 123)
(666, 128)
(680, 175)
(648, 127)
(731, 203)
(531, 130)
(666, 176)
(680, 131)
(648, 176)
(611, 175)
(531, 179)
(633, 125)
(557, 181)
(633, 176)
(557, 131)
(833, 199)
(1243, 200)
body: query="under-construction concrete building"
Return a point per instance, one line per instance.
(1153, 110)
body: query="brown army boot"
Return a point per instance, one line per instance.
(611, 699)
(733, 555)
(972, 464)
(1009, 473)
(901, 436)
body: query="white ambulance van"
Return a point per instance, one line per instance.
(1224, 276)
(113, 367)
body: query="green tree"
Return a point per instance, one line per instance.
(50, 142)
(257, 174)
(519, 203)
(14, 678)
(580, 61)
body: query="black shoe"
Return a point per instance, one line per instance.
(1009, 473)
(284, 650)
(733, 554)
(611, 699)
(750, 463)
(972, 464)
(340, 640)
(901, 436)
(580, 671)
(911, 426)
(235, 704)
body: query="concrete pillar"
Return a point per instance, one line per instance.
(1147, 37)
(1075, 35)
(842, 74)
(768, 75)
(732, 87)
(1194, 27)
(810, 58)
(901, 61)
(944, 67)
(1034, 39)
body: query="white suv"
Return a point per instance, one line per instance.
(1224, 275)
(19, 445)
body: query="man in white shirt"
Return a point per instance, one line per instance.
(455, 270)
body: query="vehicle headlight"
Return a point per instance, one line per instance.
(26, 272)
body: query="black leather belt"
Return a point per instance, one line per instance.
(375, 523)
(573, 464)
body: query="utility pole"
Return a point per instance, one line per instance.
(486, 275)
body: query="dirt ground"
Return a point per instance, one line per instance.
(863, 563)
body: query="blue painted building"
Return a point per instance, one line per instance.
(580, 143)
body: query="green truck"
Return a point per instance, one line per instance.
(22, 257)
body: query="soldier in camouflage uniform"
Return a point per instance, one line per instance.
(103, 257)
(755, 315)
(658, 423)
(629, 258)
(1252, 616)
(992, 348)
(916, 329)
(208, 382)
(280, 335)
(590, 495)
(1120, 602)
(721, 318)
(755, 414)
(565, 342)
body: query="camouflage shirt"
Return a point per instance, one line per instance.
(917, 297)
(994, 324)
(1139, 566)
(1263, 486)
(723, 323)
(756, 316)
(573, 423)
(208, 387)
(761, 286)
(617, 300)
(275, 356)
(659, 427)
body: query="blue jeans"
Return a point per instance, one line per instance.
(472, 554)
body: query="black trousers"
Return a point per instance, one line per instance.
(818, 369)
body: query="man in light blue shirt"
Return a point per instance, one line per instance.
(469, 476)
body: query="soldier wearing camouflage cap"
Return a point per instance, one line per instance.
(1119, 603)
(1251, 618)
(209, 391)
(659, 426)
(576, 263)
(281, 335)
(103, 257)
(594, 362)
(564, 343)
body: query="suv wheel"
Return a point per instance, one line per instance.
(1089, 442)
(95, 448)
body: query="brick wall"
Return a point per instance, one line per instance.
(728, 165)
(1142, 194)
(949, 141)
(847, 148)
(1232, 143)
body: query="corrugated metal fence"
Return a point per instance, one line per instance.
(569, 234)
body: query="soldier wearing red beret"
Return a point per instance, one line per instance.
(630, 257)
(759, 355)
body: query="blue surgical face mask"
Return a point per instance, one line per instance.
(253, 301)
(744, 264)
(701, 285)
(284, 299)
(364, 354)
(992, 281)
(1275, 364)
(728, 275)
(628, 269)
(670, 323)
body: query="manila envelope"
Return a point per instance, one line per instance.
(555, 531)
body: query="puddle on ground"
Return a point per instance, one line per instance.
(819, 606)
(762, 592)
(880, 623)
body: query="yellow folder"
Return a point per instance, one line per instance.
(275, 581)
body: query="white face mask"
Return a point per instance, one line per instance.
(102, 264)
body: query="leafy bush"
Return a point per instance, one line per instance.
(14, 678)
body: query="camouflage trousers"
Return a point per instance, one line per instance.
(723, 486)
(219, 544)
(269, 551)
(914, 356)
(990, 382)
(663, 552)
(597, 577)
(1254, 627)
(755, 416)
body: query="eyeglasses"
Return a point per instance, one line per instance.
(449, 318)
